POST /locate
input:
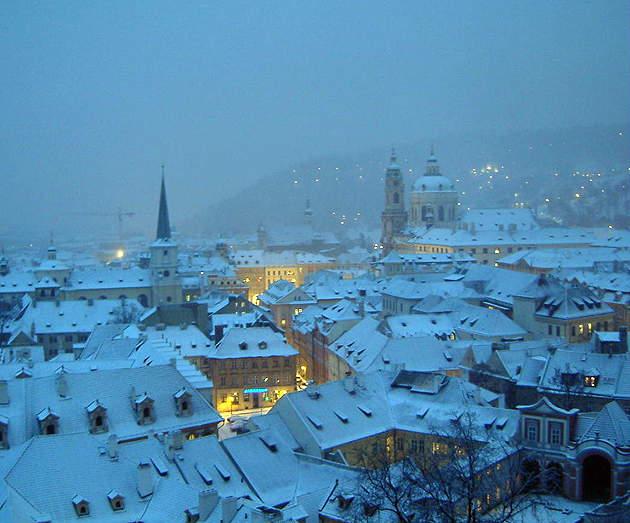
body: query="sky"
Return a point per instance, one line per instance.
(96, 96)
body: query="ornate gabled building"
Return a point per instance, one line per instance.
(394, 217)
(165, 280)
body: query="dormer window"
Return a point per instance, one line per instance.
(48, 422)
(116, 501)
(81, 506)
(144, 410)
(591, 381)
(183, 403)
(98, 417)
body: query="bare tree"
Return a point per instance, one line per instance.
(463, 476)
(568, 387)
(129, 311)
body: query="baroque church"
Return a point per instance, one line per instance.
(433, 201)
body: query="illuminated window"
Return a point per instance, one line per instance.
(581, 328)
(223, 398)
(497, 251)
(591, 381)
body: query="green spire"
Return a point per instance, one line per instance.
(163, 225)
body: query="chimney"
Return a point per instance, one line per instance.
(360, 380)
(228, 509)
(62, 386)
(168, 443)
(623, 338)
(4, 392)
(57, 302)
(30, 363)
(348, 384)
(145, 480)
(208, 500)
(112, 445)
(178, 440)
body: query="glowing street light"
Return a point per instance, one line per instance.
(120, 254)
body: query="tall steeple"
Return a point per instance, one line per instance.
(163, 225)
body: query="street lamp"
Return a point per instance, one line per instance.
(231, 404)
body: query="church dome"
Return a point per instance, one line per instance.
(432, 184)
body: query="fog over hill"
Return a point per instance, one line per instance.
(490, 170)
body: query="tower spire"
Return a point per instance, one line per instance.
(163, 225)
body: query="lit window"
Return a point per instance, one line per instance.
(590, 381)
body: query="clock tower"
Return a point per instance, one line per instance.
(165, 281)
(394, 217)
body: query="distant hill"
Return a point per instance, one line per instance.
(531, 167)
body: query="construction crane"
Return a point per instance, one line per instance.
(119, 214)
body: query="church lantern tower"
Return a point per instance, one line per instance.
(165, 281)
(394, 217)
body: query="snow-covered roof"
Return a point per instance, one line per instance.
(253, 342)
(338, 413)
(113, 390)
(109, 278)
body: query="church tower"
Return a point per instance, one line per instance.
(394, 217)
(165, 282)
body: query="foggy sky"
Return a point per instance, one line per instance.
(94, 96)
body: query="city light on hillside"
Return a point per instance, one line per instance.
(120, 254)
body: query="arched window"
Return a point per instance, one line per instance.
(441, 213)
(144, 301)
(424, 213)
(396, 198)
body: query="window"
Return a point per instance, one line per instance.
(287, 362)
(245, 364)
(555, 433)
(485, 250)
(254, 364)
(287, 379)
(255, 379)
(532, 430)
(68, 338)
(235, 398)
(276, 363)
(276, 378)
(413, 446)
(557, 330)
(223, 382)
(264, 364)
(572, 330)
(549, 329)
(234, 365)
(223, 398)
(591, 381)
(245, 380)
(222, 365)
(440, 448)
(234, 381)
(510, 249)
